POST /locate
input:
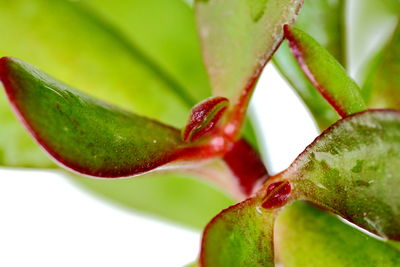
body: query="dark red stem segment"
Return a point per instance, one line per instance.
(277, 195)
(246, 165)
(204, 117)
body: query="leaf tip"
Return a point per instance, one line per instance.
(204, 117)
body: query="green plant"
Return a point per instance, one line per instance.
(350, 170)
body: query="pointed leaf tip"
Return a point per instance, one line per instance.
(325, 73)
(204, 117)
(82, 133)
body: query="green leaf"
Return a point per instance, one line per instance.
(84, 134)
(382, 85)
(239, 236)
(238, 38)
(80, 56)
(352, 170)
(325, 73)
(176, 197)
(365, 49)
(329, 32)
(307, 236)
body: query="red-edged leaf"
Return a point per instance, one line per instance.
(329, 32)
(325, 73)
(238, 37)
(352, 169)
(83, 134)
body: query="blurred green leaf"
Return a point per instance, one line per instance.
(307, 236)
(325, 73)
(382, 84)
(239, 236)
(370, 27)
(82, 133)
(163, 30)
(238, 38)
(171, 196)
(323, 20)
(352, 170)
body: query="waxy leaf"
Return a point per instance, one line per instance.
(239, 236)
(78, 56)
(84, 134)
(352, 170)
(323, 20)
(325, 73)
(307, 236)
(238, 38)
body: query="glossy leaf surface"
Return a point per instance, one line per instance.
(352, 170)
(323, 20)
(307, 236)
(239, 236)
(238, 37)
(78, 56)
(83, 134)
(325, 73)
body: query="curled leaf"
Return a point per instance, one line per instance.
(204, 117)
